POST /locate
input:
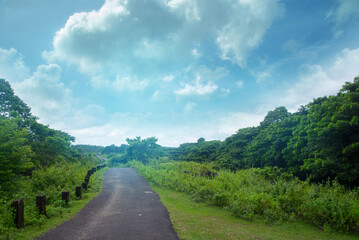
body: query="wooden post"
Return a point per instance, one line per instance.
(79, 192)
(18, 209)
(66, 197)
(84, 185)
(87, 180)
(41, 204)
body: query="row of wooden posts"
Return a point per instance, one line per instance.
(18, 204)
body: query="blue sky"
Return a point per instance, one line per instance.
(178, 70)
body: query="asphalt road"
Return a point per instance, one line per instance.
(127, 208)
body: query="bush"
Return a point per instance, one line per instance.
(267, 193)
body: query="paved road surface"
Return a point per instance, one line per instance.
(127, 208)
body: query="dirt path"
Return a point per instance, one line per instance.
(127, 208)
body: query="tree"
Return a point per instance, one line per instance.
(231, 152)
(275, 116)
(142, 149)
(15, 153)
(10, 103)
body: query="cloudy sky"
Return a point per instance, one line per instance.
(174, 69)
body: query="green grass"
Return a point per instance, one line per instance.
(197, 221)
(34, 230)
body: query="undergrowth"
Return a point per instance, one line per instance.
(51, 182)
(265, 193)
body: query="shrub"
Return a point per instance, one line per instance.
(267, 193)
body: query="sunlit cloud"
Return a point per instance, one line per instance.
(318, 81)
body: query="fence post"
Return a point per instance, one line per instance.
(41, 204)
(79, 192)
(66, 197)
(18, 209)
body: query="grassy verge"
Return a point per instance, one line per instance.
(260, 193)
(35, 229)
(197, 221)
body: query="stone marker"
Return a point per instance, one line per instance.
(66, 197)
(18, 210)
(41, 204)
(79, 192)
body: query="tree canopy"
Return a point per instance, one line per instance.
(320, 141)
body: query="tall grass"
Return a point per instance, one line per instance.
(255, 192)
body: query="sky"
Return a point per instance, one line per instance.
(178, 70)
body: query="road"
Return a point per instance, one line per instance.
(127, 208)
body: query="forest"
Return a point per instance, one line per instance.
(301, 165)
(319, 142)
(35, 160)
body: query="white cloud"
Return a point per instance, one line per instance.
(12, 66)
(160, 95)
(48, 98)
(318, 81)
(120, 84)
(240, 84)
(345, 10)
(203, 81)
(197, 89)
(196, 53)
(139, 38)
(230, 123)
(168, 78)
(245, 30)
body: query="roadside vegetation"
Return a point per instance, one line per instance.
(293, 167)
(259, 193)
(300, 166)
(199, 221)
(37, 160)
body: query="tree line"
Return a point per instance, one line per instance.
(318, 142)
(26, 144)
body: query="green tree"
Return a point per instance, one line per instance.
(275, 116)
(15, 153)
(142, 149)
(10, 103)
(231, 152)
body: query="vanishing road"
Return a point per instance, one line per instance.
(127, 208)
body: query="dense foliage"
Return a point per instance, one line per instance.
(320, 141)
(26, 144)
(49, 181)
(34, 160)
(136, 149)
(267, 193)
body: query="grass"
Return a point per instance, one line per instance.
(34, 230)
(197, 221)
(260, 193)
